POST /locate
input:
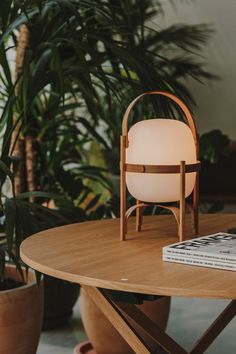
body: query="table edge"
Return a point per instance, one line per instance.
(106, 284)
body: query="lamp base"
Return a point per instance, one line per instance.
(175, 210)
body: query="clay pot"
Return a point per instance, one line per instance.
(21, 313)
(104, 337)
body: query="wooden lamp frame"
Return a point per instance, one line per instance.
(182, 168)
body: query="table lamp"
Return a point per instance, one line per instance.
(159, 164)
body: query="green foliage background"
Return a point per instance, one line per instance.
(84, 62)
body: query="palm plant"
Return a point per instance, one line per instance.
(78, 61)
(165, 58)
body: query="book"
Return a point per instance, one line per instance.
(199, 262)
(214, 251)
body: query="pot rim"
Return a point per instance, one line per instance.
(30, 282)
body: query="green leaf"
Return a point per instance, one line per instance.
(38, 277)
(10, 214)
(36, 194)
(17, 263)
(21, 19)
(93, 202)
(92, 130)
(2, 264)
(5, 65)
(7, 172)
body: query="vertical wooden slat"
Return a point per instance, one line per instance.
(182, 201)
(138, 216)
(195, 205)
(196, 192)
(123, 225)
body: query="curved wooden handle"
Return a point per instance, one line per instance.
(174, 98)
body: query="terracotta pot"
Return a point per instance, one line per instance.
(104, 337)
(21, 311)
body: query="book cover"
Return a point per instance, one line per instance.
(219, 247)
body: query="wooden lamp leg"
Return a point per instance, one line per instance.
(182, 202)
(123, 222)
(196, 194)
(195, 205)
(138, 217)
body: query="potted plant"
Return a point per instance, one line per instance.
(21, 289)
(21, 310)
(41, 129)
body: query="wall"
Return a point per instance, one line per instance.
(217, 100)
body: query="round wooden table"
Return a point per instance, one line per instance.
(92, 255)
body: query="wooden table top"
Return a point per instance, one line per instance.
(91, 253)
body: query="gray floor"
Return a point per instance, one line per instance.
(63, 340)
(189, 318)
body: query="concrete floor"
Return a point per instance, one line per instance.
(188, 320)
(64, 339)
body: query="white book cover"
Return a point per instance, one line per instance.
(220, 247)
(199, 262)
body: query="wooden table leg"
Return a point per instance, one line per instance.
(121, 315)
(117, 319)
(150, 328)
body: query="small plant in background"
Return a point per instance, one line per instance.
(217, 176)
(168, 56)
(214, 146)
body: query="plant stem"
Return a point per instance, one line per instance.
(30, 164)
(19, 149)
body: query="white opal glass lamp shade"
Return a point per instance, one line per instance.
(159, 142)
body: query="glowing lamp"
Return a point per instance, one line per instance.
(159, 165)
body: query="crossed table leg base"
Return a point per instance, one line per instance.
(122, 315)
